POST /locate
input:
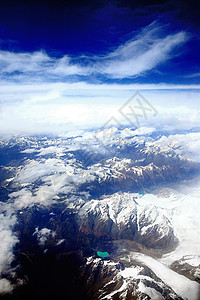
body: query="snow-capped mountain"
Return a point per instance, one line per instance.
(122, 217)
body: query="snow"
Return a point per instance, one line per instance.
(131, 272)
(181, 207)
(185, 288)
(155, 217)
(89, 260)
(121, 289)
(186, 223)
(151, 292)
(109, 263)
(176, 208)
(197, 272)
(191, 260)
(60, 242)
(119, 208)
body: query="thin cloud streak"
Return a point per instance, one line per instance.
(141, 55)
(194, 75)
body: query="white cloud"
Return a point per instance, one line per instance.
(64, 66)
(37, 64)
(7, 242)
(143, 131)
(186, 145)
(194, 75)
(5, 286)
(24, 62)
(49, 150)
(144, 52)
(60, 108)
(38, 169)
(43, 235)
(56, 176)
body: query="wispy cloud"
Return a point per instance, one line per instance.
(194, 75)
(37, 66)
(144, 52)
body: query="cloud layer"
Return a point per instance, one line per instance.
(60, 108)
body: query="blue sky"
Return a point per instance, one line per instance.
(90, 36)
(108, 46)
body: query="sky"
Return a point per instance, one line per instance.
(74, 64)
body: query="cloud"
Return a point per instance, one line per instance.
(70, 107)
(24, 62)
(143, 131)
(144, 52)
(194, 75)
(8, 240)
(43, 235)
(42, 182)
(5, 286)
(186, 145)
(37, 66)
